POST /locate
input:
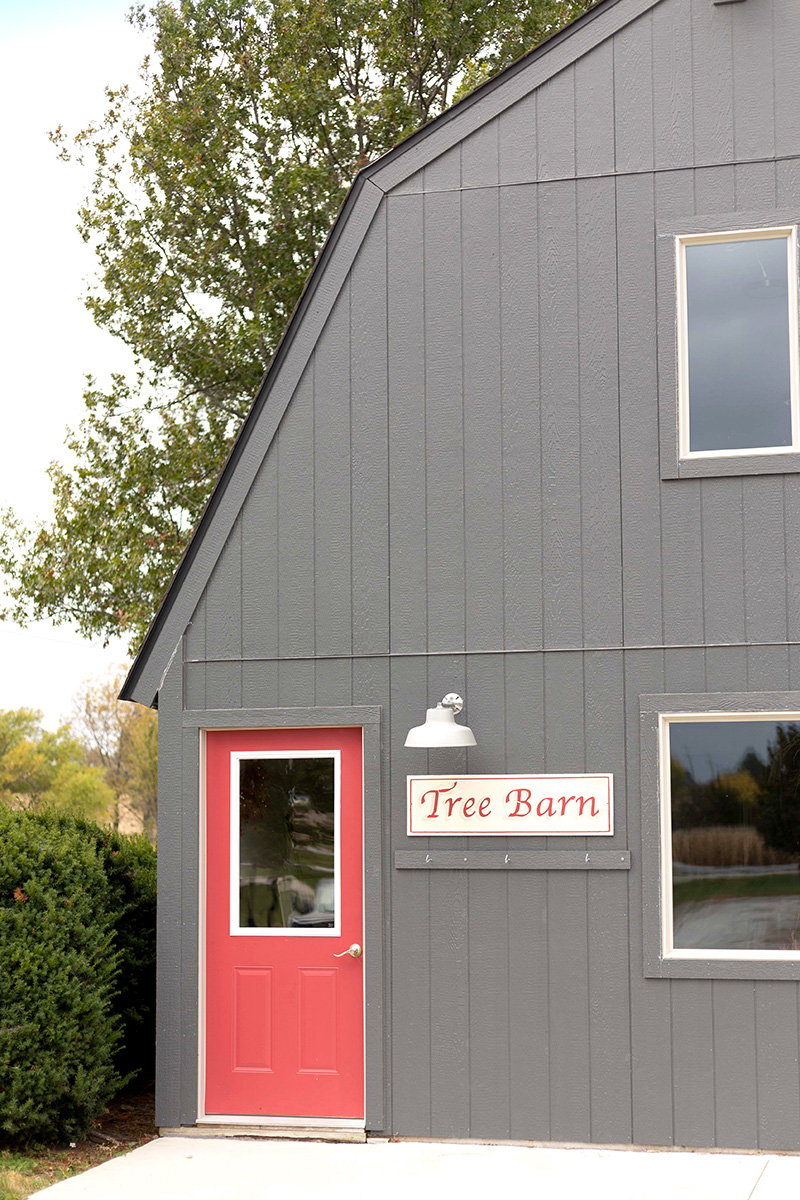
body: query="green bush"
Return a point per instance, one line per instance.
(58, 968)
(77, 970)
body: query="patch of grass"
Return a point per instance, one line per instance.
(735, 887)
(128, 1123)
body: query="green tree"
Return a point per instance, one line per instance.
(121, 740)
(778, 816)
(214, 185)
(47, 770)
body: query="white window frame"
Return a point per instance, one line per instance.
(668, 951)
(789, 232)
(238, 930)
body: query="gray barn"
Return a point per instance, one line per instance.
(532, 436)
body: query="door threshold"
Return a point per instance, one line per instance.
(286, 1128)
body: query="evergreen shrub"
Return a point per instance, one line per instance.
(77, 971)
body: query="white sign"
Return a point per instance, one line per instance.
(505, 805)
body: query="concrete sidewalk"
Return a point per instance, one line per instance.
(176, 1168)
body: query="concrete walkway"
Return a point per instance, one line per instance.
(177, 1168)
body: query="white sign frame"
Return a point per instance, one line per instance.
(510, 805)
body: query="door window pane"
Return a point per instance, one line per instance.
(287, 851)
(738, 344)
(735, 808)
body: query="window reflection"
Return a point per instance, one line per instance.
(286, 843)
(738, 344)
(735, 795)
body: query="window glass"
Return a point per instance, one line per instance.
(287, 843)
(738, 343)
(735, 823)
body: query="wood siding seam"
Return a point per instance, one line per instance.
(583, 177)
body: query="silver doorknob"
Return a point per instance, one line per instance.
(354, 951)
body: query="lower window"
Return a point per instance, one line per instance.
(728, 822)
(733, 833)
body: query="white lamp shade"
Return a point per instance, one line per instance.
(440, 729)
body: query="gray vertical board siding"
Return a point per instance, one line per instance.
(641, 528)
(555, 127)
(673, 117)
(726, 669)
(331, 495)
(528, 985)
(753, 103)
(483, 462)
(567, 925)
(693, 1054)
(449, 926)
(488, 927)
(295, 529)
(444, 172)
(171, 980)
(735, 1066)
(260, 577)
(756, 188)
(223, 640)
(518, 151)
(479, 157)
(607, 914)
(651, 1022)
(444, 423)
(521, 448)
(224, 684)
(410, 973)
(333, 682)
(786, 53)
(681, 502)
(715, 189)
(778, 1065)
(712, 57)
(371, 686)
(560, 414)
(195, 635)
(791, 498)
(767, 668)
(723, 553)
(407, 499)
(633, 96)
(601, 534)
(370, 443)
(296, 684)
(259, 684)
(764, 559)
(594, 111)
(223, 598)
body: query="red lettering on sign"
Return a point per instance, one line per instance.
(487, 804)
(469, 807)
(519, 811)
(564, 801)
(436, 792)
(548, 810)
(589, 800)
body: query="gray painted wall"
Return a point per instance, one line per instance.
(465, 495)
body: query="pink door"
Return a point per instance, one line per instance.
(284, 997)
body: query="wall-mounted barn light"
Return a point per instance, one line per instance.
(440, 728)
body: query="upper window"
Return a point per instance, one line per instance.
(738, 343)
(730, 820)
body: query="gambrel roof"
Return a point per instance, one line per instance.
(372, 183)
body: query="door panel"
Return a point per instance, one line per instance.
(284, 880)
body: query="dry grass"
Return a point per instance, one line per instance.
(725, 846)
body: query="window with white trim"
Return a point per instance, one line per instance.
(737, 317)
(729, 787)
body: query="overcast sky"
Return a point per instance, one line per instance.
(55, 60)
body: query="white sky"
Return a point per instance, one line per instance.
(55, 59)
